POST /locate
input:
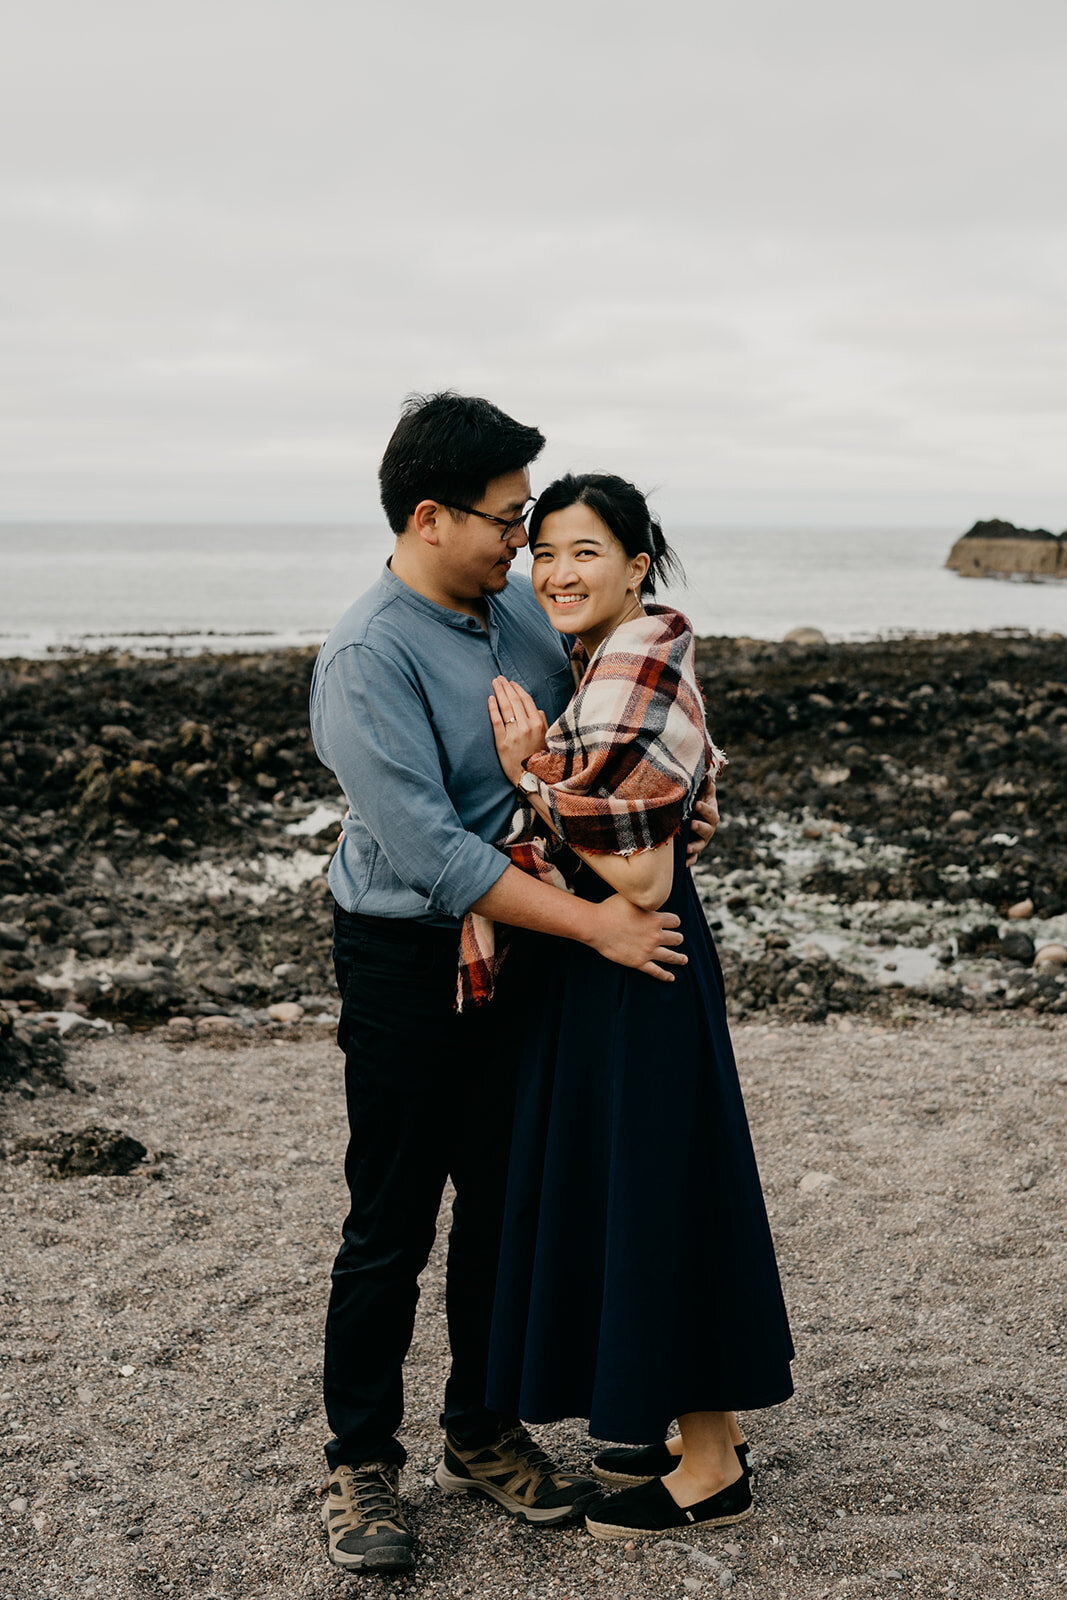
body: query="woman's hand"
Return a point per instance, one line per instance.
(518, 727)
(704, 821)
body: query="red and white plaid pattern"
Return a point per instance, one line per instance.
(482, 944)
(620, 772)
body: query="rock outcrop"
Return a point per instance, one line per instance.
(998, 549)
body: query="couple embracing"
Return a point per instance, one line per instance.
(532, 1006)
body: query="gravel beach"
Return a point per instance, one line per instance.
(160, 1420)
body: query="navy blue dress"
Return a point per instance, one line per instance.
(637, 1277)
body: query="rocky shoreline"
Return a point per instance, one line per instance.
(893, 837)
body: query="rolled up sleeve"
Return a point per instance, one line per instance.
(371, 726)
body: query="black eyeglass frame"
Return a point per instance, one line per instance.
(508, 527)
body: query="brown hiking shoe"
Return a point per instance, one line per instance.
(364, 1523)
(518, 1475)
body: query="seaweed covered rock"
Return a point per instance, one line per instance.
(30, 1059)
(801, 988)
(89, 1152)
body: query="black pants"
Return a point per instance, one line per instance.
(430, 1096)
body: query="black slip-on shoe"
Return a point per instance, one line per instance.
(628, 1467)
(516, 1473)
(366, 1529)
(650, 1508)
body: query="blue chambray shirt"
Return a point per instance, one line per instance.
(399, 714)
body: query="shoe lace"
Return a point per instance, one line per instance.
(370, 1495)
(529, 1453)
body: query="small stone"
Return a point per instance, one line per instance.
(134, 1531)
(285, 1011)
(181, 1024)
(1021, 910)
(732, 1549)
(960, 819)
(1015, 945)
(127, 1371)
(84, 1395)
(1051, 955)
(805, 636)
(215, 1025)
(1026, 1181)
(811, 1182)
(812, 831)
(20, 1505)
(692, 1584)
(284, 969)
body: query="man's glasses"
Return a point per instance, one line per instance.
(506, 528)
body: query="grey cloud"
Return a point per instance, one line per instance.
(746, 253)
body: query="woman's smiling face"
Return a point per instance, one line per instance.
(582, 576)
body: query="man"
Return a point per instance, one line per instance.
(399, 711)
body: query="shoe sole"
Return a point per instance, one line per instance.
(544, 1518)
(624, 1480)
(609, 1530)
(376, 1561)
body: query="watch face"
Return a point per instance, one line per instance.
(528, 782)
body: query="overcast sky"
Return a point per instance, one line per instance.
(786, 262)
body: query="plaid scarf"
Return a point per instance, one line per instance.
(620, 772)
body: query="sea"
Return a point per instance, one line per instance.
(156, 588)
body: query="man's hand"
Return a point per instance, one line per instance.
(518, 727)
(634, 938)
(704, 821)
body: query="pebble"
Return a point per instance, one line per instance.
(285, 1011)
(1053, 955)
(960, 819)
(1021, 910)
(813, 1181)
(20, 1505)
(215, 1025)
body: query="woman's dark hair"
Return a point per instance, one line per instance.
(623, 509)
(450, 447)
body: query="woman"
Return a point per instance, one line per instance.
(637, 1280)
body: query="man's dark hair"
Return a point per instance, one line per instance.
(449, 447)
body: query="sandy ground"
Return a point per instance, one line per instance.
(160, 1423)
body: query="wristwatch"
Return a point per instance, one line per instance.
(528, 783)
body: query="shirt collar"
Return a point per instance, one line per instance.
(398, 589)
